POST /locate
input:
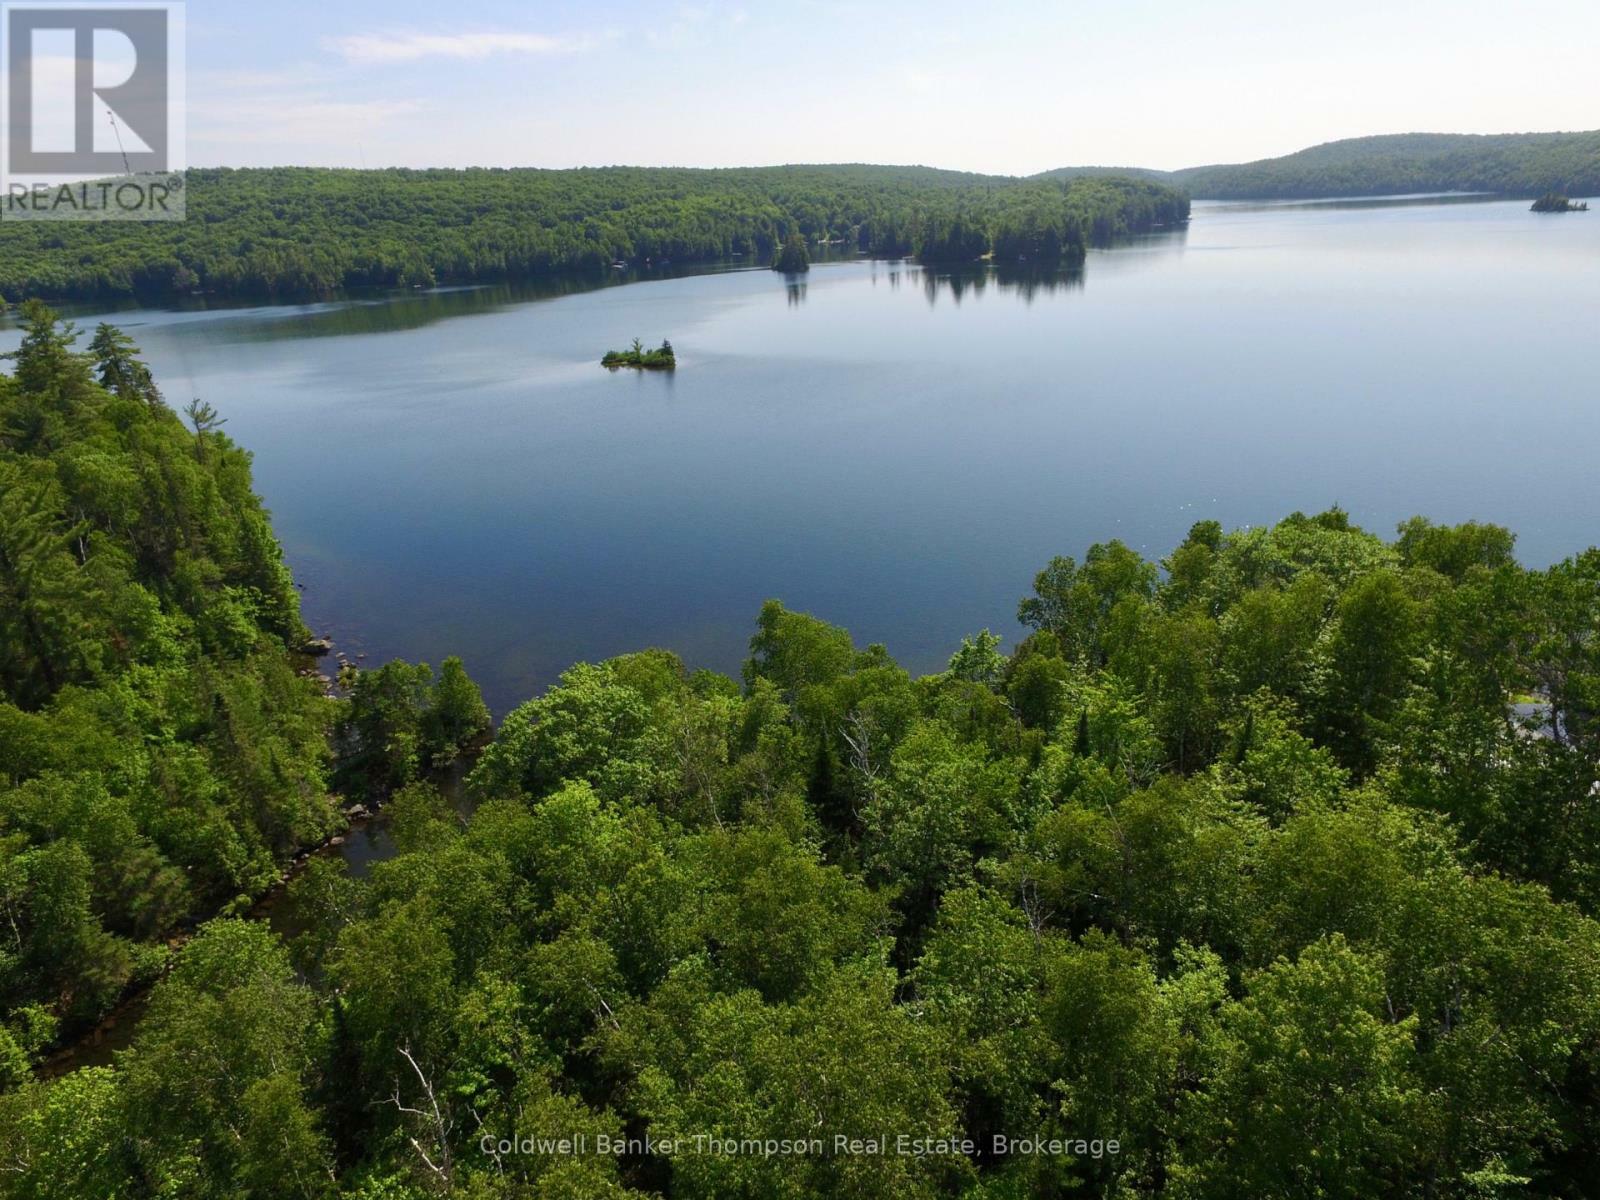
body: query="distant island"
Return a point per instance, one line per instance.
(1554, 202)
(661, 359)
(792, 257)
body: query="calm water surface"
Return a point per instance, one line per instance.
(895, 449)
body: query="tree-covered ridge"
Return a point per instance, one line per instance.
(1508, 164)
(302, 232)
(158, 752)
(1245, 861)
(1511, 164)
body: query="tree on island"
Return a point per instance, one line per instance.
(792, 258)
(1556, 202)
(662, 359)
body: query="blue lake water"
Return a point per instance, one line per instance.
(897, 450)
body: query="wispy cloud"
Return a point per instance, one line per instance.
(289, 113)
(409, 47)
(306, 122)
(695, 24)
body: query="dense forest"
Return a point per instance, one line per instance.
(291, 232)
(1524, 165)
(162, 750)
(1266, 870)
(158, 753)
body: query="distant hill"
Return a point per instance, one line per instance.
(1102, 172)
(1510, 164)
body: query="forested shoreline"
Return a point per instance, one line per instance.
(303, 232)
(163, 749)
(296, 233)
(1520, 165)
(1272, 863)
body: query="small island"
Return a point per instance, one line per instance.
(1554, 202)
(792, 257)
(661, 359)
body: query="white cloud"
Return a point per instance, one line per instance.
(409, 47)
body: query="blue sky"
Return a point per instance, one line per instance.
(1011, 86)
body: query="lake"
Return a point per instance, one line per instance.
(894, 449)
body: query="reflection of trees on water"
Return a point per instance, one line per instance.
(393, 311)
(1026, 281)
(960, 283)
(1420, 200)
(388, 310)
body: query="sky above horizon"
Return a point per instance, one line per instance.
(1012, 87)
